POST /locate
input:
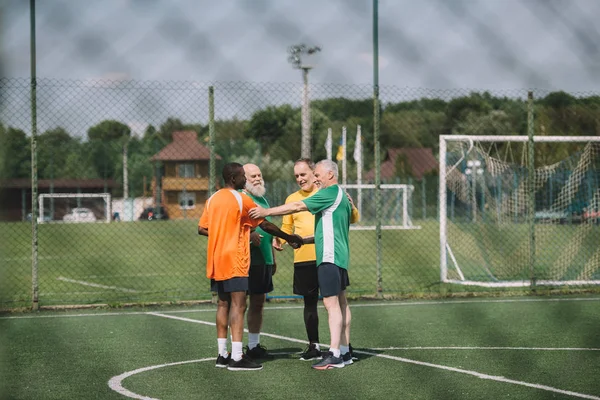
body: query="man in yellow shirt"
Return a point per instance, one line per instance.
(306, 282)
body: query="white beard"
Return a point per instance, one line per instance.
(258, 191)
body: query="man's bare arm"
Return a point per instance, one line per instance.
(285, 209)
(202, 231)
(294, 240)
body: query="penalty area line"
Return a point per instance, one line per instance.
(97, 285)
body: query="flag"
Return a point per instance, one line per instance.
(328, 144)
(358, 147)
(341, 153)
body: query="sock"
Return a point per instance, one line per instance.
(336, 352)
(344, 349)
(222, 344)
(236, 351)
(253, 340)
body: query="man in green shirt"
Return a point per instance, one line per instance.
(262, 265)
(332, 211)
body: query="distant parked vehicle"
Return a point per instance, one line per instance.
(153, 214)
(80, 214)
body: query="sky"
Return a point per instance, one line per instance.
(450, 47)
(479, 44)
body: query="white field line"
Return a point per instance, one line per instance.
(487, 348)
(85, 283)
(115, 382)
(378, 304)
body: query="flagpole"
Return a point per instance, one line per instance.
(358, 159)
(329, 143)
(344, 156)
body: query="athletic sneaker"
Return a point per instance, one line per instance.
(223, 362)
(354, 358)
(347, 358)
(329, 361)
(258, 353)
(311, 353)
(244, 364)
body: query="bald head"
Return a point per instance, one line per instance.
(254, 180)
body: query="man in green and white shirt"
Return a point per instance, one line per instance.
(332, 210)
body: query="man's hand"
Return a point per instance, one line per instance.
(255, 238)
(295, 241)
(274, 268)
(257, 212)
(277, 244)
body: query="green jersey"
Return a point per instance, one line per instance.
(263, 254)
(332, 211)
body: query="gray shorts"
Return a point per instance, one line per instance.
(332, 279)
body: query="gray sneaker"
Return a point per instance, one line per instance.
(329, 361)
(223, 362)
(244, 364)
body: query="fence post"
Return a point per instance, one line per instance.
(531, 177)
(34, 176)
(212, 168)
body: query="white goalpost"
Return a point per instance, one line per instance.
(67, 203)
(491, 236)
(396, 203)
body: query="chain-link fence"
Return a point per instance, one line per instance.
(124, 168)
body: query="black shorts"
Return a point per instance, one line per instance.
(306, 280)
(260, 280)
(238, 284)
(332, 279)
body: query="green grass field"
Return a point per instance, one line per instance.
(165, 261)
(519, 348)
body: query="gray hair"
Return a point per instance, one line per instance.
(329, 165)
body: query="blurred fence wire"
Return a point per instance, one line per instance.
(138, 154)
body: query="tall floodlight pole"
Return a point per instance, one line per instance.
(299, 56)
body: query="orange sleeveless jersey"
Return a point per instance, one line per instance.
(226, 218)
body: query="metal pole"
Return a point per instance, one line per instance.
(125, 175)
(377, 150)
(34, 175)
(531, 187)
(212, 168)
(305, 141)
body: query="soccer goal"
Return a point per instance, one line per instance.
(503, 225)
(74, 207)
(395, 206)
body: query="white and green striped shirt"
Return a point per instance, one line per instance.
(332, 212)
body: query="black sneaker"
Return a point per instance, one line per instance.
(347, 358)
(311, 353)
(329, 361)
(258, 353)
(244, 364)
(223, 362)
(354, 358)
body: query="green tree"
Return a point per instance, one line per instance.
(15, 153)
(53, 148)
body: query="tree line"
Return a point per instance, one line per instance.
(274, 132)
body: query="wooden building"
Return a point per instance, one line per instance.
(184, 183)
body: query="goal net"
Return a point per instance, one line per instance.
(499, 227)
(396, 206)
(74, 207)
